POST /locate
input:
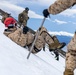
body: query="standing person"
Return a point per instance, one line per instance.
(57, 7)
(23, 17)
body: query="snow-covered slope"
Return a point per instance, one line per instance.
(13, 60)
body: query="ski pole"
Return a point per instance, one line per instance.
(35, 39)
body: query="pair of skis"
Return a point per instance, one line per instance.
(37, 34)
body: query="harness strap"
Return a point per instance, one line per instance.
(47, 33)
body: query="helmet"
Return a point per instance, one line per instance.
(27, 9)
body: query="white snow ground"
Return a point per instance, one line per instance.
(13, 60)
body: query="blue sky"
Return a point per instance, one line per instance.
(64, 22)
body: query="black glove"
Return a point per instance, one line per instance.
(28, 17)
(39, 28)
(45, 13)
(43, 48)
(25, 30)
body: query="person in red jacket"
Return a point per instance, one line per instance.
(10, 22)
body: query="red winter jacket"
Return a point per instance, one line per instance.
(9, 21)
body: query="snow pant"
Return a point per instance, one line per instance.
(70, 63)
(39, 44)
(20, 38)
(15, 36)
(53, 42)
(47, 37)
(24, 23)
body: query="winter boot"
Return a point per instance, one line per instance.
(56, 54)
(61, 45)
(68, 72)
(57, 44)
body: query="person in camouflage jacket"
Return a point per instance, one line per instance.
(57, 7)
(23, 17)
(71, 57)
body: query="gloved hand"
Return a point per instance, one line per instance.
(25, 30)
(45, 13)
(39, 28)
(28, 17)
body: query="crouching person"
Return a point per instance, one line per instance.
(40, 42)
(70, 63)
(52, 42)
(42, 39)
